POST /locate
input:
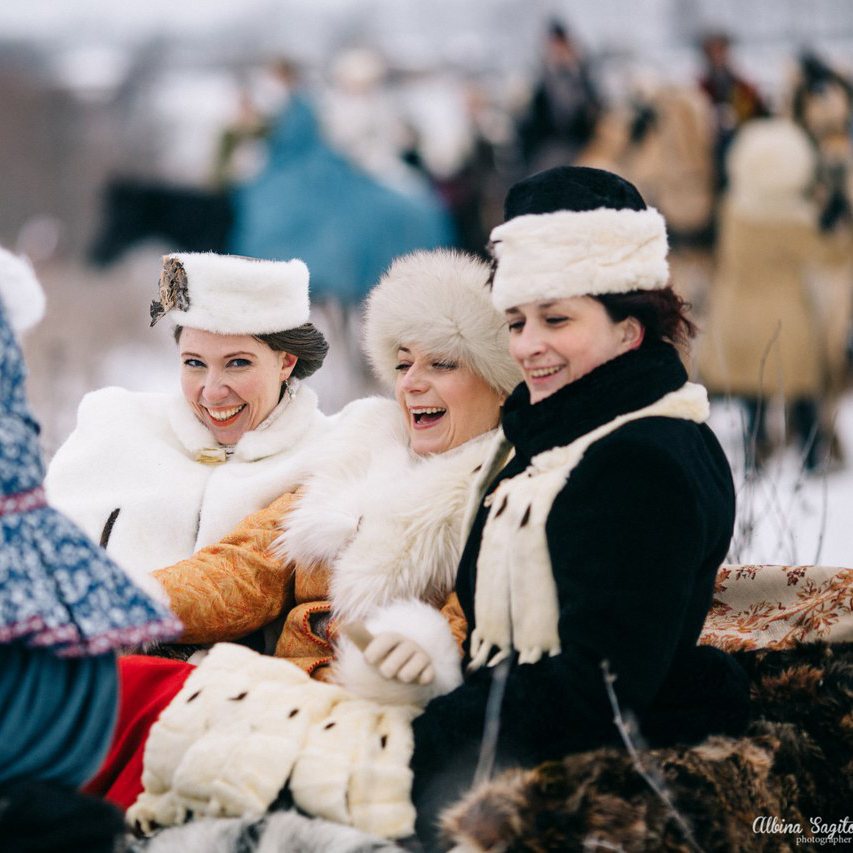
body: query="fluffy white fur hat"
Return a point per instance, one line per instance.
(439, 302)
(232, 295)
(20, 291)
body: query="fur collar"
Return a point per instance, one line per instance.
(386, 522)
(284, 426)
(516, 604)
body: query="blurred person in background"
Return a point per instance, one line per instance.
(154, 477)
(765, 332)
(310, 201)
(822, 104)
(65, 609)
(734, 98)
(564, 107)
(363, 122)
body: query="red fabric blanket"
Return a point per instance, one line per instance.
(147, 685)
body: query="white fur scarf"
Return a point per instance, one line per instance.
(515, 603)
(385, 522)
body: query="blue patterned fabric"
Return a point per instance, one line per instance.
(57, 589)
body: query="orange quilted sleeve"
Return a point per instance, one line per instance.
(229, 589)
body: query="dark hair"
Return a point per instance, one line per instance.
(662, 313)
(306, 342)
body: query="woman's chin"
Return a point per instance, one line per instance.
(230, 434)
(424, 443)
(540, 390)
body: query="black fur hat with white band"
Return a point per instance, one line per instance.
(575, 231)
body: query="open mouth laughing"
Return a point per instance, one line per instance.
(544, 372)
(224, 417)
(426, 416)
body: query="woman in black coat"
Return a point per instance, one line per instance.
(593, 550)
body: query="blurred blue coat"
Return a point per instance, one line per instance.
(309, 202)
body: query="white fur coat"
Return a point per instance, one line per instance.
(386, 521)
(136, 453)
(388, 524)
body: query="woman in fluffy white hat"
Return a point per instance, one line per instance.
(600, 539)
(154, 477)
(377, 522)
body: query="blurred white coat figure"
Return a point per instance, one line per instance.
(360, 119)
(438, 113)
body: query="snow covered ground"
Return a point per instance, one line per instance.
(784, 515)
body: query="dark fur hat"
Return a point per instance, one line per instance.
(575, 188)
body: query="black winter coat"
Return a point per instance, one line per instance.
(635, 538)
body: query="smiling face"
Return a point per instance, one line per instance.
(231, 382)
(444, 404)
(557, 341)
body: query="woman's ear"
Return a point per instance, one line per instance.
(288, 362)
(632, 331)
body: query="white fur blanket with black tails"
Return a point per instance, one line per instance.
(279, 832)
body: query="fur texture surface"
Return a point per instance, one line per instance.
(362, 513)
(137, 452)
(20, 291)
(231, 295)
(568, 253)
(244, 725)
(439, 302)
(278, 832)
(793, 764)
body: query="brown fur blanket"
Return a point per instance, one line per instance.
(787, 784)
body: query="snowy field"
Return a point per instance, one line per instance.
(784, 515)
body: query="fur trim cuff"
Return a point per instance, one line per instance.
(231, 295)
(567, 253)
(419, 622)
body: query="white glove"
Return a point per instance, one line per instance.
(395, 656)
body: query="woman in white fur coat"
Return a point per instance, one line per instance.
(154, 477)
(379, 518)
(378, 522)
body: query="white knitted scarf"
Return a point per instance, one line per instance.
(515, 601)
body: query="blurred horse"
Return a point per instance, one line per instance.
(184, 218)
(662, 140)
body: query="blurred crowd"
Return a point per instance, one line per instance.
(358, 166)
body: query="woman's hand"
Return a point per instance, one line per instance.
(395, 656)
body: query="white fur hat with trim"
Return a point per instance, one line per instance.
(439, 302)
(20, 291)
(232, 295)
(576, 231)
